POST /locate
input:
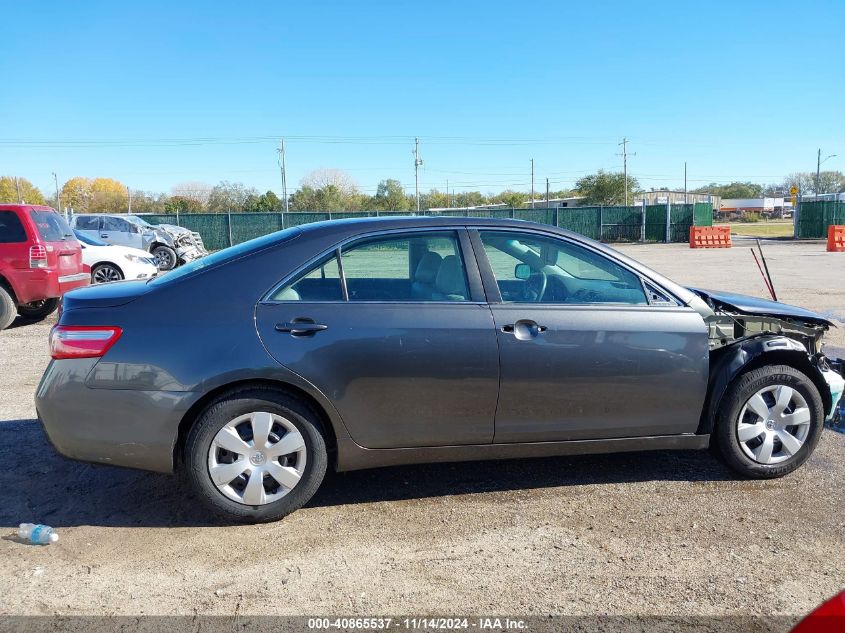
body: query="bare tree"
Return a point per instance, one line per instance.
(321, 178)
(192, 190)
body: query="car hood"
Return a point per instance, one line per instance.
(173, 229)
(761, 307)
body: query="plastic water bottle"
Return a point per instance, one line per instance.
(37, 534)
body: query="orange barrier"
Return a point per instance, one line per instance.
(710, 237)
(836, 238)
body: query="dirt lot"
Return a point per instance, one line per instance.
(623, 534)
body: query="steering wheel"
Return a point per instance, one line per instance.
(535, 287)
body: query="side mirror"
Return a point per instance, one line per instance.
(522, 271)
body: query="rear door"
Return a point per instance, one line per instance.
(116, 230)
(587, 351)
(394, 329)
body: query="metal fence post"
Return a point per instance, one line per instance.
(668, 221)
(177, 217)
(282, 213)
(229, 225)
(601, 222)
(642, 220)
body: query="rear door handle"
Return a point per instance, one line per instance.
(300, 328)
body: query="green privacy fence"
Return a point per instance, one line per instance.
(608, 224)
(815, 217)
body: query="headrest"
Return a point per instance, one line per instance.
(450, 277)
(428, 267)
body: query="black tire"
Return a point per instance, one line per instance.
(8, 311)
(743, 388)
(166, 258)
(104, 268)
(232, 405)
(38, 310)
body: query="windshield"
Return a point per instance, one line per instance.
(51, 226)
(139, 220)
(227, 254)
(91, 241)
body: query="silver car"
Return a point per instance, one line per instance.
(171, 245)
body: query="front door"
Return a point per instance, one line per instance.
(584, 354)
(394, 337)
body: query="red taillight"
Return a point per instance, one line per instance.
(82, 341)
(37, 256)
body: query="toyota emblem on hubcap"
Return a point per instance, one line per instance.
(257, 458)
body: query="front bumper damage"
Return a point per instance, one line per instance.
(732, 319)
(187, 244)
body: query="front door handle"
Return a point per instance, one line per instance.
(301, 328)
(524, 329)
(104, 234)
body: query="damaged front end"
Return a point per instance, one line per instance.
(187, 244)
(741, 330)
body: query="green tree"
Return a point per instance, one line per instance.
(733, 190)
(390, 196)
(264, 203)
(327, 198)
(182, 204)
(513, 199)
(606, 188)
(29, 193)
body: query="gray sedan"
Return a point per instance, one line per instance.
(372, 342)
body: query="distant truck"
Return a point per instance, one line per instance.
(171, 245)
(40, 260)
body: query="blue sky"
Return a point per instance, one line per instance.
(739, 90)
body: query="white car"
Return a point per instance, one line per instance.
(110, 262)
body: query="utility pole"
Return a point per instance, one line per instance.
(532, 183)
(18, 188)
(283, 168)
(624, 145)
(547, 193)
(58, 195)
(417, 163)
(685, 183)
(448, 204)
(129, 194)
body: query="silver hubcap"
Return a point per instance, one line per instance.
(163, 260)
(774, 424)
(104, 274)
(257, 458)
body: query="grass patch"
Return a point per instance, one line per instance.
(763, 229)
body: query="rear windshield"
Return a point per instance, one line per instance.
(51, 226)
(226, 255)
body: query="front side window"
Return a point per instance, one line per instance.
(410, 267)
(11, 229)
(535, 269)
(118, 225)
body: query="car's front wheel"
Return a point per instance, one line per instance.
(104, 273)
(769, 422)
(38, 310)
(256, 455)
(165, 257)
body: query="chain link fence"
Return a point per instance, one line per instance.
(651, 223)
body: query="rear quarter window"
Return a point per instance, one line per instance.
(11, 229)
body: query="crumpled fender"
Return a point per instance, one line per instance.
(730, 361)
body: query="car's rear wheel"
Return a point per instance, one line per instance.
(256, 455)
(38, 310)
(8, 311)
(104, 273)
(165, 257)
(769, 422)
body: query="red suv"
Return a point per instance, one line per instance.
(40, 260)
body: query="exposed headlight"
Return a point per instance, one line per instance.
(135, 258)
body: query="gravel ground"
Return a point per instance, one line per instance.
(637, 534)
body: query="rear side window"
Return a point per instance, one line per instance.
(51, 226)
(86, 223)
(11, 229)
